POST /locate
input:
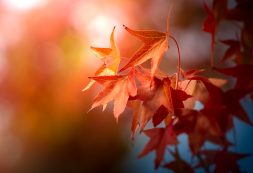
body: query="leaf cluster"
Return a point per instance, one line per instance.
(168, 100)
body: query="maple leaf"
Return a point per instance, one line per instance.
(241, 12)
(155, 45)
(198, 86)
(225, 161)
(212, 21)
(229, 99)
(152, 98)
(160, 94)
(110, 58)
(177, 97)
(135, 105)
(220, 117)
(232, 51)
(205, 129)
(232, 99)
(117, 88)
(209, 23)
(159, 139)
(160, 115)
(178, 165)
(214, 92)
(202, 126)
(243, 74)
(190, 73)
(186, 120)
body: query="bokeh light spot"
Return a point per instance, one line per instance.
(23, 5)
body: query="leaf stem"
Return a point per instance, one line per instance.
(178, 59)
(212, 51)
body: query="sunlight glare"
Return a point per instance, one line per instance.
(23, 5)
(99, 27)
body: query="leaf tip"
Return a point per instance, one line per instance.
(125, 27)
(113, 29)
(117, 120)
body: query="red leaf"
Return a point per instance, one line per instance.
(160, 115)
(232, 101)
(202, 126)
(210, 22)
(225, 161)
(186, 120)
(205, 129)
(243, 73)
(232, 51)
(215, 93)
(159, 139)
(178, 96)
(160, 94)
(213, 19)
(179, 165)
(153, 98)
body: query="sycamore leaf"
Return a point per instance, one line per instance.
(117, 88)
(155, 45)
(159, 139)
(110, 58)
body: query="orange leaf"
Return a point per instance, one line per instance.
(117, 88)
(155, 44)
(110, 58)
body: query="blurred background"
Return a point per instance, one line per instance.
(45, 62)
